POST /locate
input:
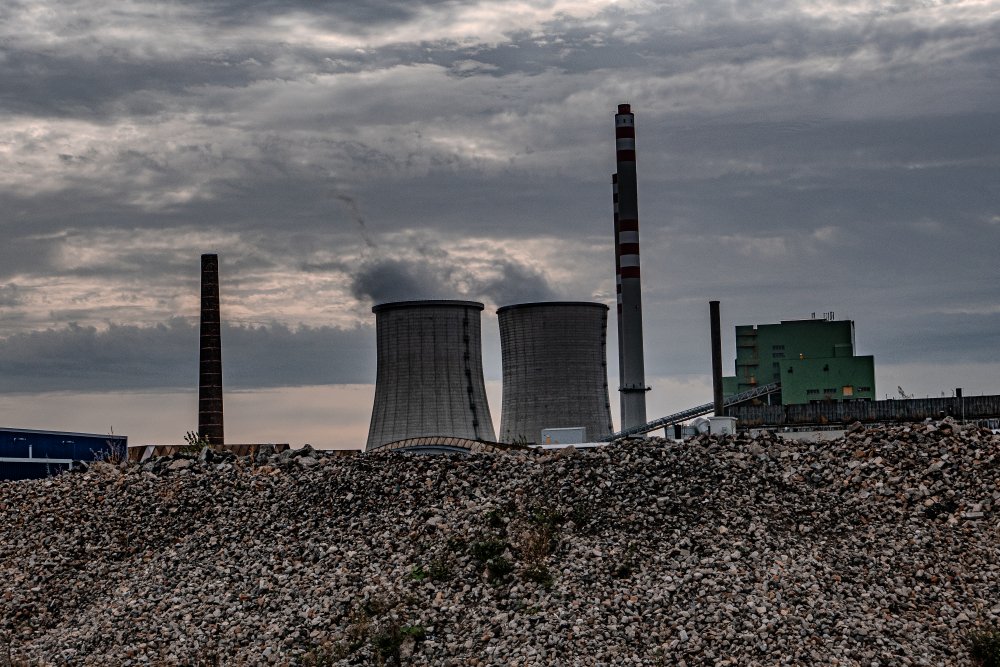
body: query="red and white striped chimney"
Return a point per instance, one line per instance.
(630, 349)
(618, 292)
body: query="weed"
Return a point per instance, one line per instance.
(388, 642)
(117, 452)
(984, 646)
(536, 543)
(622, 570)
(498, 567)
(539, 574)
(583, 514)
(546, 517)
(195, 443)
(486, 550)
(495, 519)
(321, 657)
(440, 570)
(456, 544)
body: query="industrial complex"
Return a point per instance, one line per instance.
(430, 393)
(813, 360)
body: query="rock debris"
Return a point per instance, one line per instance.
(881, 548)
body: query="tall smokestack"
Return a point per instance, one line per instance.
(633, 387)
(210, 371)
(713, 311)
(618, 295)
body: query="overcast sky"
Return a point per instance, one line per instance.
(794, 157)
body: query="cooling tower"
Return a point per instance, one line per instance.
(555, 371)
(210, 362)
(429, 380)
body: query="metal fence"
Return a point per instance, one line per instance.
(847, 412)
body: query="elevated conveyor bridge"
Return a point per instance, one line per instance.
(691, 413)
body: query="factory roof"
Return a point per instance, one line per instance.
(4, 429)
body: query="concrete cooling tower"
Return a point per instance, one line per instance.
(554, 369)
(429, 380)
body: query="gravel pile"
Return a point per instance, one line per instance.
(881, 548)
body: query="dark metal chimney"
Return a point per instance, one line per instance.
(210, 371)
(713, 309)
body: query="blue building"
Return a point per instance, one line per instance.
(30, 454)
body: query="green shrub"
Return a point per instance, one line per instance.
(984, 646)
(387, 642)
(195, 443)
(487, 549)
(539, 574)
(440, 570)
(494, 519)
(498, 568)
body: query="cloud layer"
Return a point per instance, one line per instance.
(794, 157)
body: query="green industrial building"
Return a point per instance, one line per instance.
(813, 360)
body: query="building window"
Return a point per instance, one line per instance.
(831, 390)
(778, 355)
(864, 388)
(848, 390)
(778, 347)
(812, 392)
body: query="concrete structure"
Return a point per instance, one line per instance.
(32, 454)
(716, 335)
(210, 426)
(633, 377)
(813, 360)
(555, 372)
(429, 380)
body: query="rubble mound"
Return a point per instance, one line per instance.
(880, 548)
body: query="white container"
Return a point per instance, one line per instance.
(564, 436)
(722, 425)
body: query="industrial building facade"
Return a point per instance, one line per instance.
(813, 360)
(31, 454)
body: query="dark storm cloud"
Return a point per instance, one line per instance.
(124, 357)
(437, 276)
(106, 85)
(366, 16)
(794, 157)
